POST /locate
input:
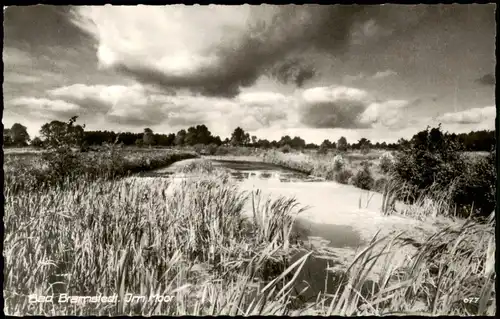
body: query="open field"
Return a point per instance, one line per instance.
(189, 238)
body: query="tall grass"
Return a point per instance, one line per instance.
(451, 273)
(192, 240)
(132, 236)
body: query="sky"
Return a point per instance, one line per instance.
(319, 72)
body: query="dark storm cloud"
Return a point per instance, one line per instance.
(40, 26)
(292, 30)
(271, 47)
(295, 71)
(487, 79)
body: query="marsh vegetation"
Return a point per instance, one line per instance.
(89, 231)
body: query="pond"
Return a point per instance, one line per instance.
(334, 211)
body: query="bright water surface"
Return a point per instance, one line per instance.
(321, 196)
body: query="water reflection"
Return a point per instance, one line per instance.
(241, 171)
(337, 236)
(281, 176)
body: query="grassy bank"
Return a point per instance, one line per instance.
(190, 240)
(33, 171)
(326, 166)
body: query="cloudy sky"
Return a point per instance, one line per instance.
(381, 72)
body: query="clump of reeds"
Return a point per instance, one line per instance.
(119, 237)
(451, 273)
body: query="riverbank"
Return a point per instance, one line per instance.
(37, 170)
(214, 248)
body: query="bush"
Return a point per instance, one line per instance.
(322, 151)
(343, 176)
(434, 161)
(286, 149)
(198, 148)
(363, 178)
(379, 184)
(222, 150)
(365, 149)
(475, 189)
(386, 162)
(338, 163)
(212, 149)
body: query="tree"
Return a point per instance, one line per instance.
(342, 144)
(139, 142)
(298, 143)
(239, 137)
(7, 140)
(148, 137)
(404, 143)
(254, 140)
(59, 134)
(37, 142)
(263, 143)
(326, 144)
(198, 135)
(180, 137)
(19, 135)
(285, 140)
(246, 140)
(364, 145)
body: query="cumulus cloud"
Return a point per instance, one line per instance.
(217, 50)
(471, 116)
(45, 108)
(346, 107)
(130, 105)
(387, 113)
(329, 107)
(139, 106)
(378, 75)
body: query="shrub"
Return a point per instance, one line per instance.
(198, 148)
(343, 176)
(322, 151)
(386, 162)
(475, 189)
(434, 161)
(286, 149)
(379, 184)
(212, 149)
(221, 150)
(338, 163)
(363, 178)
(365, 149)
(37, 142)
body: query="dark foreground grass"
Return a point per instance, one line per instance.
(192, 242)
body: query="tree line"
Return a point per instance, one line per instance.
(53, 132)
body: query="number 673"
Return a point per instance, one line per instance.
(471, 300)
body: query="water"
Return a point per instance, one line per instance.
(240, 171)
(331, 220)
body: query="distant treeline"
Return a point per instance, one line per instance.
(55, 131)
(476, 141)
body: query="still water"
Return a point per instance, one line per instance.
(329, 221)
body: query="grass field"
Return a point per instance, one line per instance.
(190, 241)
